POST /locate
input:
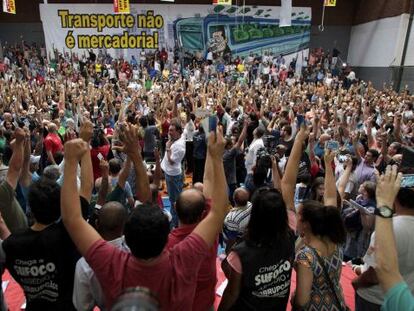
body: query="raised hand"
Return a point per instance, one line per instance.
(388, 186)
(329, 156)
(86, 130)
(303, 133)
(216, 143)
(19, 135)
(75, 149)
(130, 139)
(104, 166)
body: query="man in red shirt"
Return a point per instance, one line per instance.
(171, 274)
(163, 58)
(53, 143)
(190, 207)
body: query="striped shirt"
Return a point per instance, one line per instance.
(236, 221)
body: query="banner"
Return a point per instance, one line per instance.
(330, 3)
(121, 6)
(222, 2)
(9, 6)
(181, 29)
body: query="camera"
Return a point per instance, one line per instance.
(263, 159)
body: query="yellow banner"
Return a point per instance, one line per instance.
(330, 2)
(121, 6)
(9, 6)
(222, 2)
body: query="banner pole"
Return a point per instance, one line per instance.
(321, 27)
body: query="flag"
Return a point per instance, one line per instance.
(121, 6)
(285, 18)
(9, 6)
(222, 2)
(330, 3)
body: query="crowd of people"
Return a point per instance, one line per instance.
(119, 174)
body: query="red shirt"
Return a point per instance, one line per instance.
(53, 143)
(164, 128)
(163, 55)
(172, 276)
(207, 275)
(104, 150)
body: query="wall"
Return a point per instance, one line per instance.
(30, 32)
(378, 43)
(376, 50)
(333, 36)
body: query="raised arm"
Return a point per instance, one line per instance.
(329, 198)
(157, 171)
(16, 161)
(385, 246)
(211, 225)
(355, 144)
(276, 174)
(86, 133)
(83, 235)
(291, 171)
(130, 140)
(26, 175)
(242, 136)
(104, 188)
(343, 181)
(13, 217)
(123, 175)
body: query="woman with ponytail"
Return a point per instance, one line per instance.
(318, 263)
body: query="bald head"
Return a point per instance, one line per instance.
(111, 220)
(190, 206)
(241, 196)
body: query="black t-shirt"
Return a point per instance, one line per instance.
(266, 275)
(43, 263)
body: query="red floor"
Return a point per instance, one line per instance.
(15, 299)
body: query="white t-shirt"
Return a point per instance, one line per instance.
(351, 76)
(252, 154)
(189, 130)
(112, 73)
(157, 66)
(177, 155)
(403, 231)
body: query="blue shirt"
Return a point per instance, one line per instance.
(398, 298)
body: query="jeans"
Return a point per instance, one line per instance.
(364, 305)
(249, 184)
(174, 188)
(198, 173)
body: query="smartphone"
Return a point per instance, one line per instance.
(300, 119)
(332, 145)
(407, 181)
(212, 121)
(100, 156)
(209, 124)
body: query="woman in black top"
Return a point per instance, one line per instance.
(260, 265)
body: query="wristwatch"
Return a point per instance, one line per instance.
(384, 211)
